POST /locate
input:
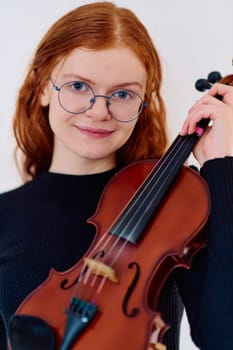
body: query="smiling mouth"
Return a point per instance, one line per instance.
(94, 132)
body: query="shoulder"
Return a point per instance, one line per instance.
(18, 193)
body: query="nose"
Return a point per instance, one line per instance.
(99, 109)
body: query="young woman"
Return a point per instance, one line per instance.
(90, 105)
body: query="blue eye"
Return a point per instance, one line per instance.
(122, 94)
(78, 85)
(125, 95)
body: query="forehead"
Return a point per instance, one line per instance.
(110, 66)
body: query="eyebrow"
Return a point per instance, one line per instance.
(73, 76)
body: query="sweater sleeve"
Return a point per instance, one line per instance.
(216, 309)
(207, 288)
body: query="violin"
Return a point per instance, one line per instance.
(109, 299)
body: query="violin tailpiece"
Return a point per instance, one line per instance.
(79, 316)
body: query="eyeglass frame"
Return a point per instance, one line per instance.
(93, 99)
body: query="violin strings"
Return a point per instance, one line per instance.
(85, 272)
(152, 181)
(175, 148)
(161, 168)
(85, 277)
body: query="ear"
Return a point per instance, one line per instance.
(46, 95)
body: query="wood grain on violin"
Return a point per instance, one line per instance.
(117, 304)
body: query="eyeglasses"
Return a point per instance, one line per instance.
(78, 97)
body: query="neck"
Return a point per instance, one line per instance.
(82, 167)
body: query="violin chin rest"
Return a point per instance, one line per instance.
(30, 333)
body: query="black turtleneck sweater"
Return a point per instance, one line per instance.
(43, 226)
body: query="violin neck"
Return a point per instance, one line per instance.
(133, 220)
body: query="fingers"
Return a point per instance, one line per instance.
(209, 107)
(217, 140)
(205, 108)
(223, 90)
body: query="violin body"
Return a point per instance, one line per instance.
(126, 308)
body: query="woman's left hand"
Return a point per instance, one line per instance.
(217, 140)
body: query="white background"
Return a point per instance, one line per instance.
(193, 37)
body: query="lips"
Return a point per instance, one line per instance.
(94, 132)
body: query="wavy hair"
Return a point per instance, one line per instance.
(97, 26)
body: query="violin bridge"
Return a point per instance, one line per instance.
(100, 269)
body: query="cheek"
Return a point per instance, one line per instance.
(55, 109)
(130, 128)
(57, 117)
(125, 133)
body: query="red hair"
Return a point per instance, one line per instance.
(97, 26)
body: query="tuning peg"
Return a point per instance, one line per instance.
(202, 85)
(213, 77)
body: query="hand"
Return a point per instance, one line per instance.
(217, 140)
